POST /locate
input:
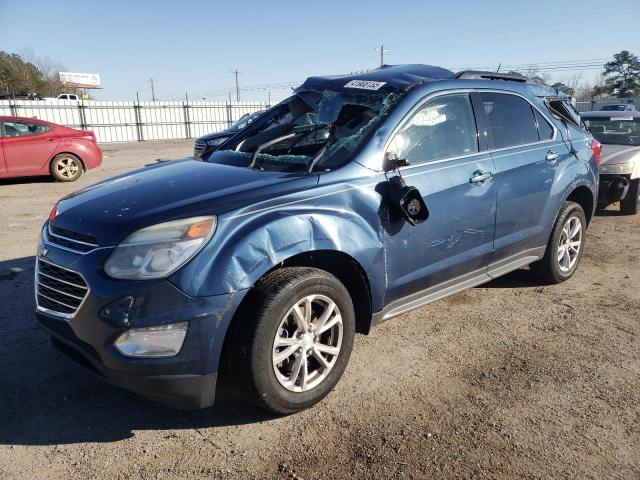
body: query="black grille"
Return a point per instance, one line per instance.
(199, 147)
(70, 239)
(59, 289)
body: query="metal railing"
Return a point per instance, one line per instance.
(114, 121)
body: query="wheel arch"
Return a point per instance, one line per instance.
(583, 196)
(65, 152)
(339, 264)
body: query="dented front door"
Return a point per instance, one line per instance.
(457, 184)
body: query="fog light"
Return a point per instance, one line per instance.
(162, 341)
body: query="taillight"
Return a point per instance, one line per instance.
(596, 146)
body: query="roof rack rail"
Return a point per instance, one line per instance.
(480, 75)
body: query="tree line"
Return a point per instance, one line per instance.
(25, 75)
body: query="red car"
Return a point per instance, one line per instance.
(30, 147)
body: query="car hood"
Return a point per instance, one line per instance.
(113, 209)
(613, 154)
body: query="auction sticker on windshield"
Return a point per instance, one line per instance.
(365, 84)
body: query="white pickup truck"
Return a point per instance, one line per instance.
(64, 96)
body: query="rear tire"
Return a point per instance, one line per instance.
(565, 247)
(66, 167)
(279, 353)
(630, 205)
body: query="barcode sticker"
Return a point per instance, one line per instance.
(365, 84)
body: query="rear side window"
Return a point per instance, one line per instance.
(443, 127)
(23, 129)
(544, 129)
(509, 119)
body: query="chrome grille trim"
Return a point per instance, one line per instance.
(69, 300)
(68, 243)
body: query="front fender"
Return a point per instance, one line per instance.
(246, 247)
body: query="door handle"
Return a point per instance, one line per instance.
(480, 176)
(552, 156)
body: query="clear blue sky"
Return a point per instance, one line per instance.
(192, 46)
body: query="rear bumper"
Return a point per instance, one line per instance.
(92, 157)
(613, 188)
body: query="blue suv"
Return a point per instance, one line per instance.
(357, 199)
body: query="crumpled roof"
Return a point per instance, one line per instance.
(386, 79)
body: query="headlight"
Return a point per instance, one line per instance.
(216, 141)
(162, 341)
(616, 168)
(159, 250)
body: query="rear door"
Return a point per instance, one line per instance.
(527, 150)
(454, 175)
(27, 146)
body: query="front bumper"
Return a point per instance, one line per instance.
(185, 381)
(613, 188)
(184, 391)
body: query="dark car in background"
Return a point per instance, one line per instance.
(619, 107)
(208, 143)
(357, 199)
(619, 134)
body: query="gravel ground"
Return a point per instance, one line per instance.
(510, 379)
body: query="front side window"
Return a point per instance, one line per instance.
(442, 128)
(23, 129)
(509, 119)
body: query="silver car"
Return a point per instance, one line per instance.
(619, 134)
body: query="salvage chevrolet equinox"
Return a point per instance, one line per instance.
(355, 200)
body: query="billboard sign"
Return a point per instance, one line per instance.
(80, 80)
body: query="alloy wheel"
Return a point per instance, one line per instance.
(569, 244)
(307, 343)
(67, 167)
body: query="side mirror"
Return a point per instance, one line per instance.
(391, 162)
(408, 200)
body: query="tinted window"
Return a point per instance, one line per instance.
(509, 119)
(544, 129)
(21, 129)
(443, 127)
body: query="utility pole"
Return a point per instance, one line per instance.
(236, 73)
(153, 93)
(382, 51)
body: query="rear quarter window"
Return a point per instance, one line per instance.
(544, 129)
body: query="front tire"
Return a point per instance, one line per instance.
(293, 339)
(66, 167)
(565, 247)
(630, 205)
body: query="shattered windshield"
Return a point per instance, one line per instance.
(312, 131)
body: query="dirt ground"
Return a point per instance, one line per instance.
(507, 380)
